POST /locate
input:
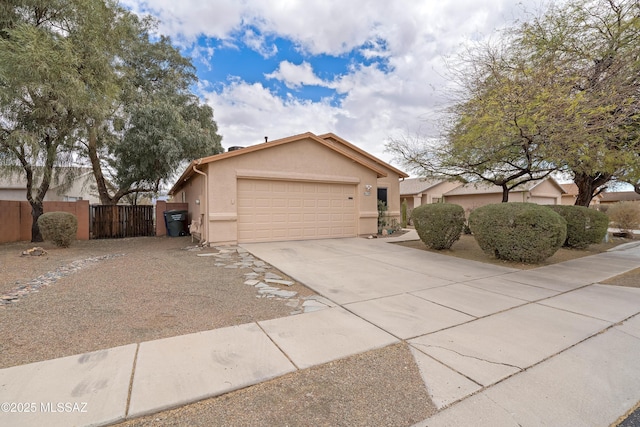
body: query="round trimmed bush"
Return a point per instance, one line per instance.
(439, 225)
(60, 227)
(584, 226)
(523, 232)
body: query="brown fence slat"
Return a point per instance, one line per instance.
(115, 221)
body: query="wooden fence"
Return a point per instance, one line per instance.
(96, 222)
(109, 222)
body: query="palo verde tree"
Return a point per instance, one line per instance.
(85, 79)
(497, 133)
(154, 124)
(40, 94)
(596, 47)
(558, 92)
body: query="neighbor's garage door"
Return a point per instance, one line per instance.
(291, 210)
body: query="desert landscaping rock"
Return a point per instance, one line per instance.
(272, 276)
(49, 278)
(279, 282)
(311, 306)
(37, 251)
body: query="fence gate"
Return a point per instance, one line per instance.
(112, 221)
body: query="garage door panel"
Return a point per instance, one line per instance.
(289, 210)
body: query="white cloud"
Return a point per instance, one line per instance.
(413, 37)
(294, 76)
(246, 113)
(258, 43)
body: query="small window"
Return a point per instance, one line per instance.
(436, 200)
(382, 195)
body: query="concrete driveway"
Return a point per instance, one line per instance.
(496, 346)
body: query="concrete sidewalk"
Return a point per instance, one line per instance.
(496, 346)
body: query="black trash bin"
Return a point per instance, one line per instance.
(176, 223)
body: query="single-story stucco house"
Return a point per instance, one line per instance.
(470, 196)
(612, 197)
(69, 184)
(422, 191)
(571, 194)
(302, 187)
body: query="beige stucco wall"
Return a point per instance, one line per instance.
(193, 194)
(82, 188)
(546, 193)
(304, 160)
(430, 195)
(13, 194)
(391, 182)
(472, 201)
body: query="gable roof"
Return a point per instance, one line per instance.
(376, 167)
(619, 196)
(417, 185)
(360, 151)
(488, 188)
(571, 189)
(15, 178)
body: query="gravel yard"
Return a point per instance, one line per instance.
(146, 288)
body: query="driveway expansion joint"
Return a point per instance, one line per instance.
(133, 373)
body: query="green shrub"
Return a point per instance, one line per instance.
(60, 227)
(382, 215)
(439, 225)
(403, 211)
(523, 232)
(584, 226)
(625, 216)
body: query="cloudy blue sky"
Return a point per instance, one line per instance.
(366, 70)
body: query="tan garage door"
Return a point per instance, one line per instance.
(291, 210)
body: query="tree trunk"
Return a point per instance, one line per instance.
(505, 194)
(37, 209)
(37, 204)
(101, 182)
(588, 186)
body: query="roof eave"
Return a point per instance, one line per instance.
(364, 153)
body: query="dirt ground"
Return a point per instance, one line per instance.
(151, 288)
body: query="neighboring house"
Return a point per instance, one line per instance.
(473, 195)
(571, 194)
(609, 198)
(422, 191)
(301, 187)
(69, 184)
